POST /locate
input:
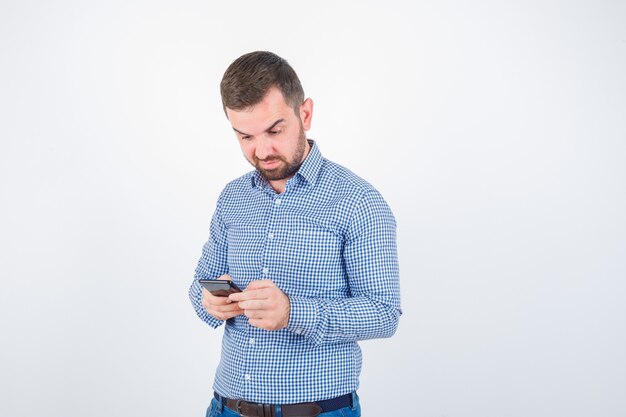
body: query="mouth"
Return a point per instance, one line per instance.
(269, 163)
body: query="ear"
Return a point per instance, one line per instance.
(306, 113)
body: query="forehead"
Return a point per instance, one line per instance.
(258, 117)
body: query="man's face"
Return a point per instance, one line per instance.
(272, 136)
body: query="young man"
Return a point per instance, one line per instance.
(312, 246)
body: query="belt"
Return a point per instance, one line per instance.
(248, 409)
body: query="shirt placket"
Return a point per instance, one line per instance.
(255, 336)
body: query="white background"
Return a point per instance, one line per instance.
(495, 130)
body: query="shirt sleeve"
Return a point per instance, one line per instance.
(212, 265)
(371, 269)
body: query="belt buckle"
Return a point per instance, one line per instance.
(260, 410)
(238, 406)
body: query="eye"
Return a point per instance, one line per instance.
(274, 132)
(246, 137)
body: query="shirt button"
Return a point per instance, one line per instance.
(247, 377)
(251, 341)
(270, 235)
(277, 202)
(265, 271)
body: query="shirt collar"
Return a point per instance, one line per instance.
(308, 171)
(312, 165)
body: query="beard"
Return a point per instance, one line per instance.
(288, 168)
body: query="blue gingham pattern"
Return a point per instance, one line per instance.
(329, 243)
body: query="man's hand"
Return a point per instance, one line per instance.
(265, 305)
(220, 307)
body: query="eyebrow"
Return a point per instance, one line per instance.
(266, 130)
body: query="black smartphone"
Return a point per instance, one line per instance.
(219, 287)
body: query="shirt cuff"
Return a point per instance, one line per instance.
(213, 322)
(302, 315)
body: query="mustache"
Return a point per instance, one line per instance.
(269, 158)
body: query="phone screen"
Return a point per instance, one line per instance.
(219, 288)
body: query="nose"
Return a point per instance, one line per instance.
(263, 147)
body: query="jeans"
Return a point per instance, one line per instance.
(217, 409)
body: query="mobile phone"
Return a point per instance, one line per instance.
(219, 287)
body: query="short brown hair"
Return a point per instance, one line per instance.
(248, 79)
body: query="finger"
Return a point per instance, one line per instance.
(221, 308)
(257, 323)
(225, 315)
(254, 314)
(264, 324)
(262, 283)
(211, 308)
(259, 294)
(226, 277)
(227, 308)
(254, 304)
(223, 312)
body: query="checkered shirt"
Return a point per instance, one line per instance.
(329, 243)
